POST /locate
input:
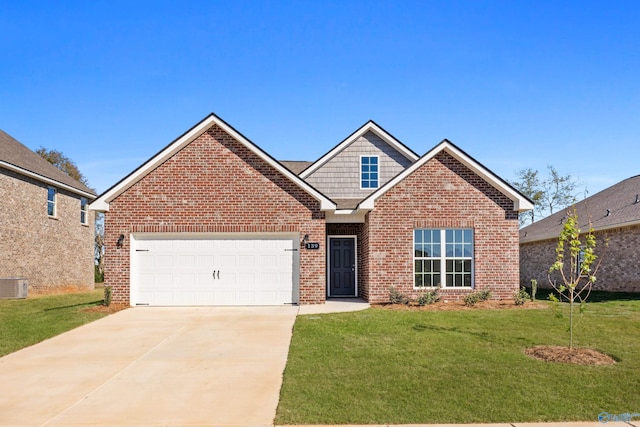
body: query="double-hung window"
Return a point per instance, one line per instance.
(443, 258)
(83, 210)
(51, 201)
(368, 172)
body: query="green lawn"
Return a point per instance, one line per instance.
(29, 321)
(401, 367)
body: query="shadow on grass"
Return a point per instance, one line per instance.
(82, 304)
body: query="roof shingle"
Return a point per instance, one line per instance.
(616, 206)
(17, 154)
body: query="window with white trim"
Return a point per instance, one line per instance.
(443, 258)
(83, 210)
(51, 201)
(368, 172)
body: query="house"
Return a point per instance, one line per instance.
(46, 228)
(212, 219)
(614, 214)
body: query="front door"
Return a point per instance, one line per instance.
(342, 266)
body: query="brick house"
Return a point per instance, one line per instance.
(214, 220)
(614, 214)
(46, 228)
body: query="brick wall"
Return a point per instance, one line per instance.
(215, 184)
(52, 253)
(618, 271)
(443, 193)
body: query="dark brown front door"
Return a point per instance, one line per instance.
(342, 267)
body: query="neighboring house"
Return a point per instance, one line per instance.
(614, 214)
(214, 220)
(46, 228)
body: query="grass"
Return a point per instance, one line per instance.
(29, 321)
(407, 367)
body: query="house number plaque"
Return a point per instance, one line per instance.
(312, 245)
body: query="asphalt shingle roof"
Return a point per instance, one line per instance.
(17, 154)
(296, 166)
(616, 206)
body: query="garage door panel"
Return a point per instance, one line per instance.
(213, 271)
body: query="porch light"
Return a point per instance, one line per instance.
(120, 241)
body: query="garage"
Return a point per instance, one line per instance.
(184, 269)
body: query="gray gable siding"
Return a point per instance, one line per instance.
(340, 176)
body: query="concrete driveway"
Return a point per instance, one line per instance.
(153, 366)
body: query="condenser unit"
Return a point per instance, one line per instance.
(13, 287)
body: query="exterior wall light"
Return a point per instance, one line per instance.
(120, 241)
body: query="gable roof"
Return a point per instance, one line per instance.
(370, 126)
(520, 202)
(616, 206)
(18, 158)
(102, 202)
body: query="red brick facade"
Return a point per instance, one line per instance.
(215, 184)
(443, 193)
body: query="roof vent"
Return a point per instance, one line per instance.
(13, 287)
(608, 212)
(637, 199)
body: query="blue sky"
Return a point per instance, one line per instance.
(514, 83)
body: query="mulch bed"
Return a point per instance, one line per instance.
(577, 356)
(113, 308)
(459, 305)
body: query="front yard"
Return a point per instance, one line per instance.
(405, 367)
(29, 321)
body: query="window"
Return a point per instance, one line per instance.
(83, 210)
(368, 172)
(443, 258)
(51, 201)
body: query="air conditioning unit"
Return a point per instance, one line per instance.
(13, 287)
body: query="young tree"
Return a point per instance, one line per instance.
(62, 162)
(576, 265)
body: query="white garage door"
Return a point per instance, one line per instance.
(188, 270)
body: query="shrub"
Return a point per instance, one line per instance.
(396, 297)
(107, 296)
(475, 297)
(521, 296)
(428, 297)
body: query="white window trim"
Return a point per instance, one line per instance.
(360, 174)
(84, 211)
(443, 260)
(54, 201)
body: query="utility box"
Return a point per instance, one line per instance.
(13, 288)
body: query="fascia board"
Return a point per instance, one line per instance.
(519, 203)
(46, 180)
(102, 203)
(369, 126)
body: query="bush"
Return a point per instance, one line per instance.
(107, 296)
(475, 297)
(521, 296)
(396, 297)
(428, 297)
